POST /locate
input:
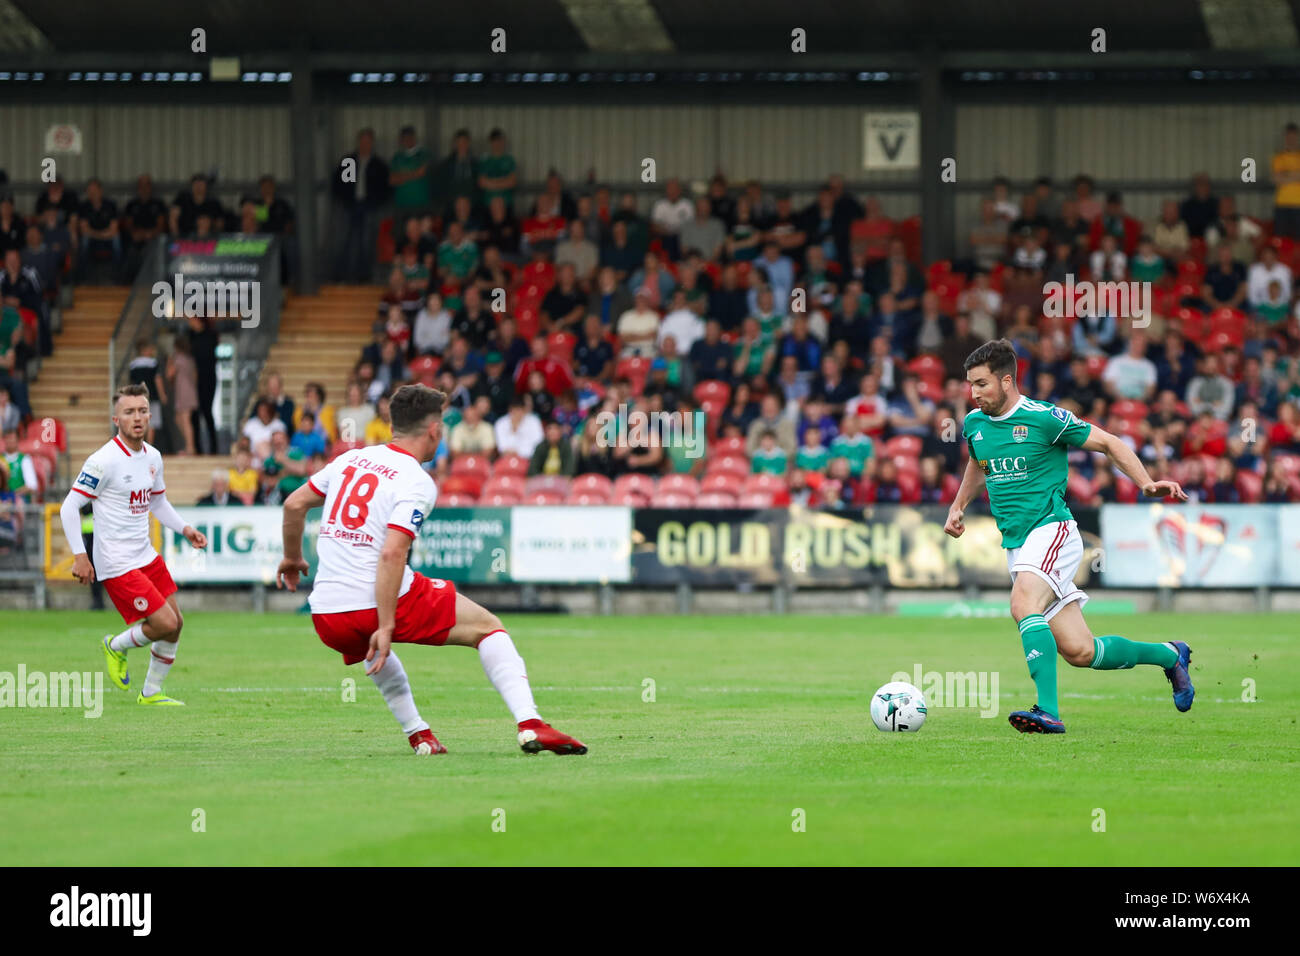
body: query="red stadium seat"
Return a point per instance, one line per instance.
(1126, 492)
(715, 499)
(340, 446)
(719, 482)
(510, 465)
(736, 465)
(425, 367)
(937, 271)
(39, 449)
(1196, 249)
(386, 244)
(465, 484)
(679, 484)
(475, 465)
(635, 370)
(499, 499)
(712, 390)
(631, 498)
(932, 390)
(592, 483)
(1190, 270)
(642, 485)
(1079, 489)
(591, 497)
(755, 499)
(768, 484)
(728, 446)
(1129, 409)
(1096, 365)
(49, 431)
(1250, 486)
(561, 345)
(559, 484)
(504, 484)
(671, 499)
(906, 464)
(544, 498)
(951, 484)
(910, 485)
(927, 367)
(456, 501)
(906, 445)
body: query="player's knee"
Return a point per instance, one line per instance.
(488, 623)
(1023, 605)
(1077, 656)
(166, 621)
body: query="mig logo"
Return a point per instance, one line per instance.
(140, 497)
(1019, 433)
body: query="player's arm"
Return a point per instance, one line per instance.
(70, 516)
(972, 485)
(1127, 461)
(388, 581)
(296, 507)
(171, 519)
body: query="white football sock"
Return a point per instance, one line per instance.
(161, 656)
(393, 684)
(132, 637)
(505, 669)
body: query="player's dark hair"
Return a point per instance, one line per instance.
(134, 390)
(999, 355)
(412, 406)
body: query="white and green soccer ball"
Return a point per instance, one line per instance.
(898, 706)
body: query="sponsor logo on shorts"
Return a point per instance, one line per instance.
(141, 603)
(438, 582)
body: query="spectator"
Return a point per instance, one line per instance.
(620, 254)
(1089, 206)
(543, 230)
(12, 227)
(553, 455)
(1175, 366)
(869, 405)
(669, 214)
(261, 427)
(771, 419)
(593, 356)
(638, 328)
(1267, 269)
(10, 417)
(284, 471)
(1200, 210)
(579, 253)
(313, 401)
(608, 300)
(472, 435)
(1275, 310)
(1277, 483)
(932, 492)
(458, 256)
(1131, 375)
(192, 203)
(63, 202)
(565, 306)
(409, 179)
(1256, 390)
(432, 330)
(275, 392)
(813, 455)
(1225, 281)
(360, 190)
(379, 430)
(853, 445)
(242, 477)
(1211, 392)
(519, 431)
(911, 412)
(1284, 436)
(306, 438)
(23, 481)
(219, 495)
(745, 238)
(941, 441)
(703, 232)
(38, 256)
(1286, 174)
(497, 385)
(1094, 335)
(768, 458)
(503, 231)
(778, 273)
(681, 323)
(557, 377)
(144, 370)
(355, 416)
(740, 412)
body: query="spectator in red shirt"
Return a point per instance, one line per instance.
(555, 373)
(542, 230)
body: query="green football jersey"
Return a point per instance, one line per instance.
(1023, 456)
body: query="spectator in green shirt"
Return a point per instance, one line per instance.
(497, 172)
(1275, 309)
(409, 177)
(813, 455)
(769, 458)
(457, 255)
(852, 444)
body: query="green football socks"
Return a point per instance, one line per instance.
(1113, 653)
(1040, 655)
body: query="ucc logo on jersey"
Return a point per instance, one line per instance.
(1005, 466)
(1019, 433)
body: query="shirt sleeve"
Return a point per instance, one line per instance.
(411, 507)
(1069, 430)
(159, 484)
(320, 482)
(92, 476)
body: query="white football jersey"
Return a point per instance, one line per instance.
(121, 483)
(366, 491)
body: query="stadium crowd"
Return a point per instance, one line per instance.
(823, 356)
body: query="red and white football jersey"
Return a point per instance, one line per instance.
(367, 491)
(121, 483)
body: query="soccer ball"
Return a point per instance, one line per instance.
(898, 706)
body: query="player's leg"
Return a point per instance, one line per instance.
(1111, 652)
(479, 628)
(163, 628)
(395, 687)
(1031, 596)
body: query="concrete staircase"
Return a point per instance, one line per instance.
(321, 338)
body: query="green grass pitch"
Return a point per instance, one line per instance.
(753, 718)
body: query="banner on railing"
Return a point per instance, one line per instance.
(1199, 545)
